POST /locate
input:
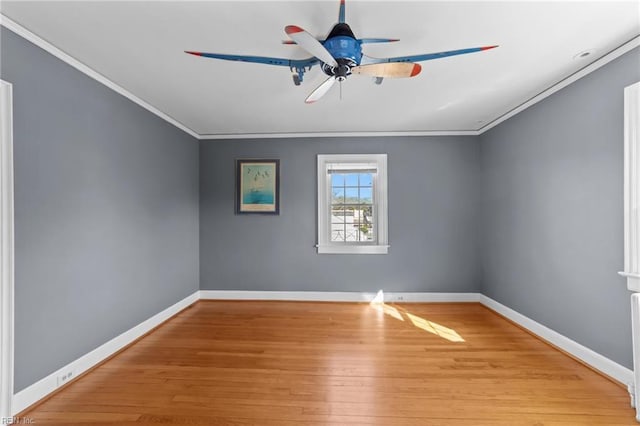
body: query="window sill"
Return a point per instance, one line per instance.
(633, 281)
(352, 249)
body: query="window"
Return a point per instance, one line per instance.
(352, 204)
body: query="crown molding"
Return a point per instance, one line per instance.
(227, 136)
(50, 48)
(64, 57)
(614, 54)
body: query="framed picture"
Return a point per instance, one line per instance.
(257, 186)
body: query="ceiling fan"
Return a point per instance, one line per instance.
(340, 55)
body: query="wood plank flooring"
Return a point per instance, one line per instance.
(293, 363)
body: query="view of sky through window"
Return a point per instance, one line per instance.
(352, 207)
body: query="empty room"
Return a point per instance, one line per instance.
(320, 212)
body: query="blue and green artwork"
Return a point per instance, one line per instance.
(258, 184)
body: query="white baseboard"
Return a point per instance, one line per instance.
(584, 354)
(309, 296)
(336, 296)
(44, 387)
(432, 297)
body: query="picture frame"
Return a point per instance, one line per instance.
(257, 186)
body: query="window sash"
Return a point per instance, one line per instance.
(328, 165)
(332, 168)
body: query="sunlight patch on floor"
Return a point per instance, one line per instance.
(435, 328)
(388, 310)
(429, 326)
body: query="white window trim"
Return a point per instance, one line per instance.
(631, 187)
(632, 226)
(325, 246)
(6, 250)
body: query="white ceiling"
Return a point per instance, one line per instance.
(139, 46)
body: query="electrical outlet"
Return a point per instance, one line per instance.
(400, 298)
(65, 377)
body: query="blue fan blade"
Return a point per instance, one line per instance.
(341, 14)
(321, 40)
(292, 63)
(430, 56)
(377, 40)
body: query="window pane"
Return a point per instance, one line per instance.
(351, 195)
(337, 179)
(351, 179)
(337, 196)
(348, 215)
(337, 223)
(366, 195)
(368, 213)
(366, 232)
(366, 179)
(337, 233)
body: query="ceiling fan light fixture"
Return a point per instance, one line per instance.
(340, 55)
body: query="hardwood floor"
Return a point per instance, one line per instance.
(292, 363)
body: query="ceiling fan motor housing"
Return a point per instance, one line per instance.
(346, 50)
(341, 71)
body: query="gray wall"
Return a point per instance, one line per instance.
(106, 211)
(107, 214)
(552, 211)
(433, 186)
